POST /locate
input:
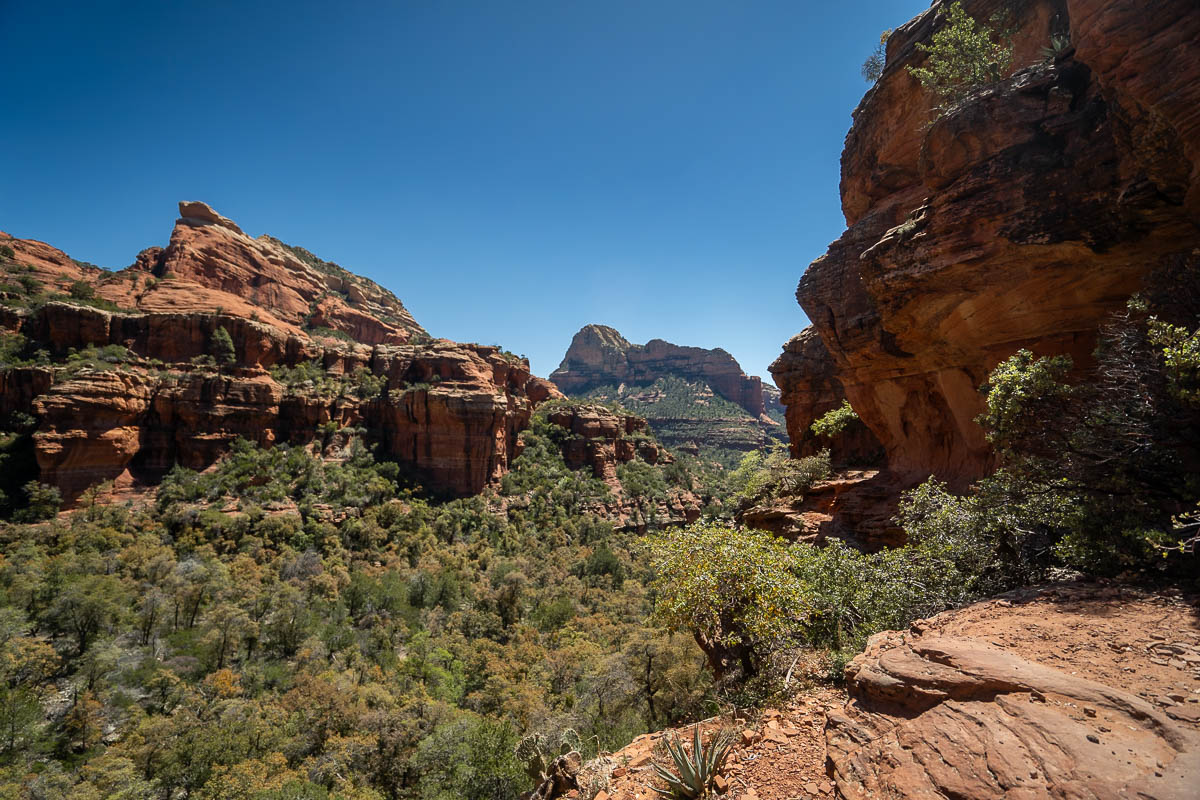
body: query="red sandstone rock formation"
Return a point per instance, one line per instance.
(1022, 217)
(602, 439)
(1014, 699)
(452, 411)
(809, 388)
(600, 356)
(1011, 698)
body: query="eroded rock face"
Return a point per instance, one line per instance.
(211, 258)
(451, 411)
(602, 439)
(458, 431)
(1023, 217)
(600, 356)
(809, 388)
(457, 412)
(971, 704)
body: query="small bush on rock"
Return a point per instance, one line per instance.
(962, 56)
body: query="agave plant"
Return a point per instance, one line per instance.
(1059, 44)
(696, 770)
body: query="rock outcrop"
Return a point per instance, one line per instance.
(809, 388)
(601, 439)
(1077, 690)
(156, 397)
(600, 356)
(993, 702)
(1021, 217)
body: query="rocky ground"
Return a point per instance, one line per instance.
(1071, 690)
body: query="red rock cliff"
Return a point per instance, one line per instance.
(452, 411)
(1022, 217)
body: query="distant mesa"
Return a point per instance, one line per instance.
(600, 356)
(696, 400)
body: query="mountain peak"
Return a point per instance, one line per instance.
(600, 356)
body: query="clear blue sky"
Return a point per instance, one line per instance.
(511, 170)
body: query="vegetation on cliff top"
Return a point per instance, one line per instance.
(963, 55)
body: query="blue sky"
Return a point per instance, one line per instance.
(512, 171)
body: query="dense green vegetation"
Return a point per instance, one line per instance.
(689, 414)
(766, 476)
(750, 596)
(310, 378)
(282, 626)
(834, 421)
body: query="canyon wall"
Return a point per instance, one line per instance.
(157, 397)
(1024, 216)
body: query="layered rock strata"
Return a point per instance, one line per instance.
(602, 439)
(1021, 217)
(987, 702)
(451, 411)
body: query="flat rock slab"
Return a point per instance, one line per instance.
(1001, 701)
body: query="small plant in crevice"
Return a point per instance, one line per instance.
(872, 68)
(1060, 43)
(834, 421)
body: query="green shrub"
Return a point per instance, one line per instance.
(31, 285)
(872, 68)
(328, 333)
(962, 56)
(736, 590)
(762, 478)
(1094, 464)
(1181, 357)
(469, 760)
(82, 290)
(42, 502)
(221, 347)
(366, 384)
(12, 349)
(834, 421)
